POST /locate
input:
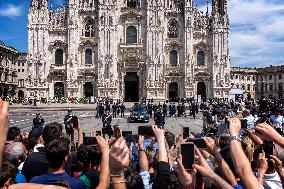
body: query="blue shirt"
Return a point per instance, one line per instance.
(50, 178)
(20, 178)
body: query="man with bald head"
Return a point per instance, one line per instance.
(15, 153)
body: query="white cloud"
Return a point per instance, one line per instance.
(11, 11)
(257, 32)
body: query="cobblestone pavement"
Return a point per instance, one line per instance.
(22, 118)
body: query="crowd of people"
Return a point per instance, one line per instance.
(244, 148)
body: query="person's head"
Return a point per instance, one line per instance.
(15, 152)
(277, 112)
(35, 135)
(246, 112)
(133, 180)
(38, 115)
(174, 183)
(150, 153)
(69, 111)
(170, 138)
(57, 152)
(7, 174)
(13, 134)
(51, 131)
(89, 156)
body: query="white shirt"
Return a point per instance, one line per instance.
(277, 121)
(272, 181)
(250, 121)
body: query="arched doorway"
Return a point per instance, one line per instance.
(21, 94)
(88, 89)
(59, 90)
(131, 81)
(201, 90)
(173, 91)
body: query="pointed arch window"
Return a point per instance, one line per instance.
(88, 56)
(173, 57)
(173, 29)
(200, 58)
(131, 34)
(89, 30)
(59, 57)
(133, 3)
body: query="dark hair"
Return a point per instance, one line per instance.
(170, 138)
(133, 180)
(8, 170)
(56, 151)
(174, 182)
(89, 155)
(29, 143)
(13, 133)
(51, 131)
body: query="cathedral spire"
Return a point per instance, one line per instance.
(39, 4)
(219, 7)
(207, 11)
(50, 10)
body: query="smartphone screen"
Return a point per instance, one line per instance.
(116, 131)
(185, 132)
(129, 138)
(98, 133)
(125, 133)
(244, 123)
(146, 131)
(90, 141)
(268, 148)
(187, 152)
(199, 142)
(135, 138)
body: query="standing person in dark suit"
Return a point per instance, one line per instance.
(165, 109)
(101, 110)
(193, 109)
(122, 110)
(159, 119)
(114, 110)
(183, 109)
(38, 121)
(118, 109)
(149, 109)
(68, 122)
(107, 106)
(107, 119)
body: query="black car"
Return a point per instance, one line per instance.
(138, 114)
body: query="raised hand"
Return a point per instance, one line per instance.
(118, 157)
(235, 126)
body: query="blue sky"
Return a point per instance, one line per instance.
(256, 38)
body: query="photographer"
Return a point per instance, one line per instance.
(38, 121)
(70, 122)
(107, 119)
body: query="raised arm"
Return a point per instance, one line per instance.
(163, 168)
(80, 133)
(203, 167)
(118, 160)
(143, 161)
(104, 175)
(226, 171)
(4, 116)
(267, 132)
(241, 162)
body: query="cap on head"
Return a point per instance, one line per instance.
(35, 133)
(69, 110)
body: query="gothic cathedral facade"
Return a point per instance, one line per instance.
(128, 49)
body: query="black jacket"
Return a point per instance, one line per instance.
(36, 164)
